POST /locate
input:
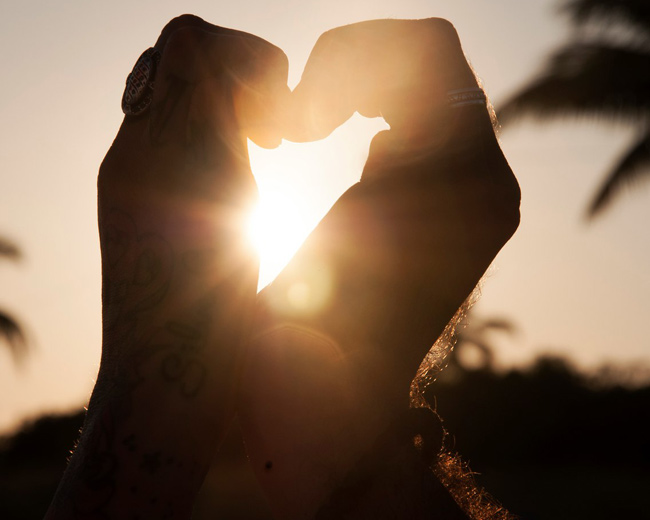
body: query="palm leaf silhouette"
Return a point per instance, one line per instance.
(13, 336)
(9, 249)
(477, 333)
(634, 163)
(598, 78)
(11, 333)
(591, 79)
(631, 13)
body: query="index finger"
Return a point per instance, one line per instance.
(387, 68)
(249, 73)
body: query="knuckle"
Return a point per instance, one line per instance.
(184, 20)
(441, 24)
(257, 60)
(277, 57)
(181, 34)
(441, 30)
(274, 61)
(328, 38)
(180, 53)
(183, 40)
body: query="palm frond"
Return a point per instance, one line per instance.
(500, 324)
(634, 164)
(476, 330)
(632, 13)
(13, 336)
(9, 249)
(591, 79)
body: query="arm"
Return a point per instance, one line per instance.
(178, 280)
(382, 274)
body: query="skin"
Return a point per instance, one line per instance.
(326, 366)
(382, 274)
(179, 281)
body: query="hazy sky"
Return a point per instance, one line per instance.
(572, 288)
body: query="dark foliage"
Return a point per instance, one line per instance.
(32, 462)
(547, 442)
(632, 12)
(11, 333)
(603, 74)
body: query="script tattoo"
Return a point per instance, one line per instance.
(138, 273)
(142, 344)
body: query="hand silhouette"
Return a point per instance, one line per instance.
(341, 332)
(179, 280)
(338, 337)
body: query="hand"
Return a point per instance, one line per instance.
(341, 332)
(179, 281)
(400, 70)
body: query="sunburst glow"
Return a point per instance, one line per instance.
(298, 183)
(277, 227)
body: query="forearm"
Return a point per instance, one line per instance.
(179, 280)
(380, 278)
(390, 483)
(113, 474)
(398, 254)
(177, 294)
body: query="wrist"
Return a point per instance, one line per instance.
(394, 477)
(113, 471)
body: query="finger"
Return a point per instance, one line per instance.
(258, 72)
(392, 68)
(250, 72)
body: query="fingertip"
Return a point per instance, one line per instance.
(314, 111)
(184, 20)
(264, 124)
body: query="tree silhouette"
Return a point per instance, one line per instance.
(11, 333)
(604, 73)
(474, 347)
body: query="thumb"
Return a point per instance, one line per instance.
(397, 69)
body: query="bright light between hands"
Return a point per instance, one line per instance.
(277, 228)
(298, 183)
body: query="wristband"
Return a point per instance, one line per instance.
(466, 96)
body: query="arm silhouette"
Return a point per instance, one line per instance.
(179, 281)
(341, 332)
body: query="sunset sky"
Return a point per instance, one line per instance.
(573, 288)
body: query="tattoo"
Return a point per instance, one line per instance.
(182, 365)
(138, 271)
(129, 443)
(137, 268)
(162, 112)
(137, 277)
(151, 462)
(98, 471)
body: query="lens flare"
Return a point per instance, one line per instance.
(276, 229)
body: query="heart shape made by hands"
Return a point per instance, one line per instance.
(396, 69)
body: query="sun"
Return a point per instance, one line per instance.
(298, 183)
(276, 228)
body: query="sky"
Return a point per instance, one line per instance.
(572, 288)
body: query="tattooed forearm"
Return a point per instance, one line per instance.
(167, 301)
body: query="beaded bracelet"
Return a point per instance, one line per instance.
(466, 96)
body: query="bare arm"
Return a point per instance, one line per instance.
(179, 283)
(382, 274)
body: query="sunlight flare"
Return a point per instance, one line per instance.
(276, 228)
(298, 183)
